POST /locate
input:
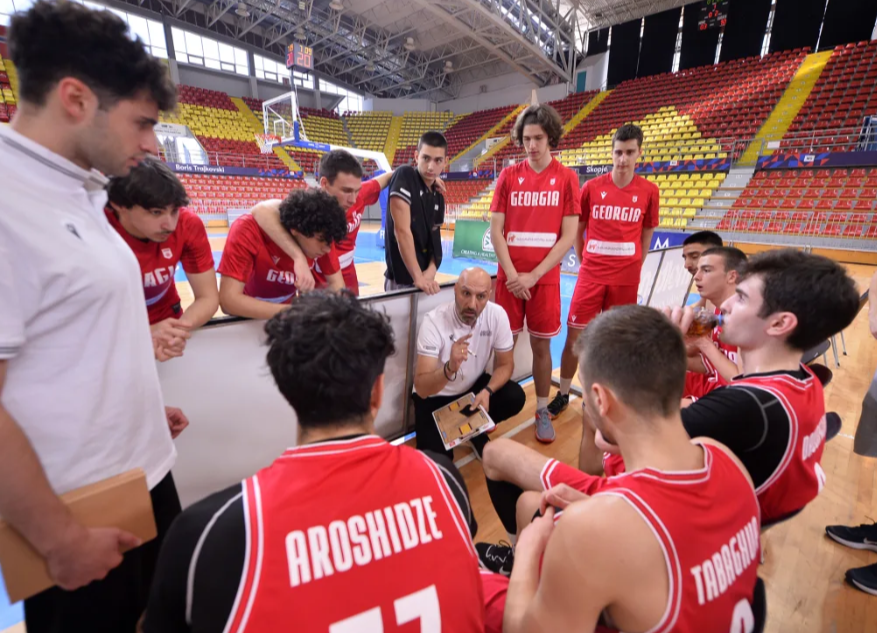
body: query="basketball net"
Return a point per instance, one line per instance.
(266, 142)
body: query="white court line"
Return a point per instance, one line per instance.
(849, 437)
(523, 425)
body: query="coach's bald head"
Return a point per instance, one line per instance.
(471, 294)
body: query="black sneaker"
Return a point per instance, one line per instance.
(864, 578)
(497, 558)
(558, 405)
(862, 537)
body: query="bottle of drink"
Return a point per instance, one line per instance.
(704, 322)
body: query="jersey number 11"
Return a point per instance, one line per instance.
(421, 605)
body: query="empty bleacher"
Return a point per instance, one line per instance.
(369, 129)
(414, 124)
(462, 191)
(471, 127)
(8, 90)
(684, 194)
(809, 202)
(846, 91)
(730, 100)
(214, 195)
(224, 133)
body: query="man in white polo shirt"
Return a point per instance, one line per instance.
(454, 346)
(79, 394)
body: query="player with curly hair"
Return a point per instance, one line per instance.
(258, 277)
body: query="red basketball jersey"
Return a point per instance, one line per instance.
(799, 477)
(354, 536)
(187, 245)
(368, 195)
(707, 523)
(251, 257)
(534, 205)
(697, 385)
(614, 220)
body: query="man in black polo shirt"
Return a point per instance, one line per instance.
(417, 211)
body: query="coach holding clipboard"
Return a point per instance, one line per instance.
(80, 400)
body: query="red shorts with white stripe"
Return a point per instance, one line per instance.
(590, 299)
(350, 279)
(542, 310)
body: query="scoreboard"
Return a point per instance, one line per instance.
(301, 57)
(713, 14)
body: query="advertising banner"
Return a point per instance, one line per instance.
(660, 240)
(702, 164)
(800, 160)
(171, 129)
(472, 240)
(219, 170)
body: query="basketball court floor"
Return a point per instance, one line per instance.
(803, 570)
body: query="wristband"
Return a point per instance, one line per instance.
(488, 390)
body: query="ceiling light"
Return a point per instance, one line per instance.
(336, 5)
(302, 5)
(242, 10)
(449, 66)
(370, 67)
(409, 44)
(300, 34)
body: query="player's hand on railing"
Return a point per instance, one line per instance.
(459, 353)
(304, 279)
(429, 286)
(169, 338)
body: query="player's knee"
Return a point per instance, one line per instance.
(526, 508)
(515, 398)
(492, 457)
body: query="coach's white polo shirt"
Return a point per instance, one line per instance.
(441, 327)
(81, 380)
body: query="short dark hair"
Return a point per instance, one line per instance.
(339, 161)
(707, 238)
(314, 212)
(629, 132)
(325, 353)
(815, 289)
(734, 258)
(53, 41)
(151, 185)
(433, 139)
(544, 116)
(635, 336)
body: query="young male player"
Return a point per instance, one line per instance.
(145, 209)
(535, 212)
(695, 245)
(619, 215)
(772, 417)
(341, 176)
(417, 211)
(671, 546)
(304, 541)
(258, 278)
(714, 361)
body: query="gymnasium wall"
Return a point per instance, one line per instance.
(597, 67)
(234, 85)
(398, 106)
(502, 90)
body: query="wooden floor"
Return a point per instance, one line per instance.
(803, 570)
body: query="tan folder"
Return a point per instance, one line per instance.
(122, 501)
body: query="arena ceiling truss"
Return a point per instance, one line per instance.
(399, 48)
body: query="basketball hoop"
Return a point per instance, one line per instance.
(266, 142)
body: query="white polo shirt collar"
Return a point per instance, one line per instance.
(48, 166)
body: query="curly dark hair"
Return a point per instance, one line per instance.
(313, 212)
(544, 116)
(339, 161)
(53, 41)
(151, 185)
(817, 290)
(325, 353)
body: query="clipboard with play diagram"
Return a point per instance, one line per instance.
(458, 422)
